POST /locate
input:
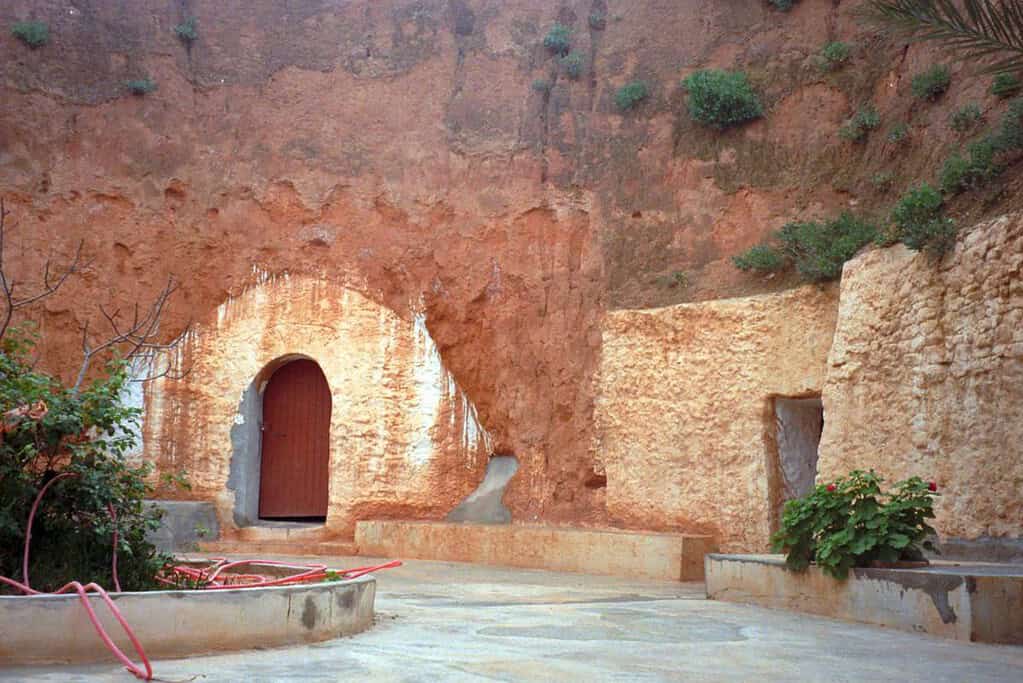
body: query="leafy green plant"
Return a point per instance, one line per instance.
(852, 523)
(188, 30)
(141, 86)
(818, 250)
(32, 33)
(834, 56)
(976, 29)
(762, 258)
(598, 20)
(899, 133)
(1005, 85)
(573, 63)
(721, 99)
(558, 39)
(1009, 136)
(542, 86)
(631, 94)
(783, 5)
(965, 118)
(959, 174)
(86, 434)
(856, 128)
(920, 221)
(932, 83)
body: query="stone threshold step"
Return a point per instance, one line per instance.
(613, 552)
(979, 602)
(290, 547)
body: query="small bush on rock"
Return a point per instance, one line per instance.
(598, 21)
(965, 118)
(559, 39)
(1005, 85)
(573, 63)
(783, 5)
(931, 84)
(762, 258)
(834, 56)
(32, 33)
(860, 124)
(141, 86)
(920, 221)
(818, 250)
(631, 94)
(721, 99)
(188, 30)
(959, 174)
(852, 523)
(541, 86)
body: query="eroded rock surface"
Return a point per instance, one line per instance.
(926, 376)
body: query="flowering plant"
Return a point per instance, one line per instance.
(851, 523)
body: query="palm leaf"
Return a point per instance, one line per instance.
(976, 29)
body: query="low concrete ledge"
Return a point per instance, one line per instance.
(55, 628)
(971, 602)
(675, 557)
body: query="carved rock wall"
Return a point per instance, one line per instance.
(404, 439)
(926, 376)
(685, 417)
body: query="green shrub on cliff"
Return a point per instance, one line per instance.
(559, 39)
(188, 30)
(762, 258)
(573, 64)
(141, 86)
(834, 56)
(816, 249)
(32, 33)
(965, 118)
(721, 99)
(1005, 85)
(783, 5)
(631, 94)
(920, 221)
(931, 84)
(860, 124)
(959, 173)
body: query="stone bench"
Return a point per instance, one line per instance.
(971, 602)
(675, 557)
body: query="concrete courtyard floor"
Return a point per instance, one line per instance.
(454, 622)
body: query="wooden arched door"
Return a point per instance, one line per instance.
(294, 468)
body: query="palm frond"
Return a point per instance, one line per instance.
(974, 28)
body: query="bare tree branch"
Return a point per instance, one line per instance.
(50, 286)
(138, 339)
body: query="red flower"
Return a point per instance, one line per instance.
(932, 486)
(831, 488)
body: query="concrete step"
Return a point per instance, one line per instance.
(636, 554)
(257, 549)
(964, 601)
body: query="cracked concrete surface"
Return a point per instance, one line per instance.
(454, 622)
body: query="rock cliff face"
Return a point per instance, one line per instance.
(400, 147)
(925, 377)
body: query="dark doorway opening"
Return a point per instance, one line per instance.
(294, 467)
(799, 423)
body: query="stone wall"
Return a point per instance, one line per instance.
(405, 441)
(685, 416)
(926, 376)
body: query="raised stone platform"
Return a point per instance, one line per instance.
(55, 628)
(676, 557)
(972, 602)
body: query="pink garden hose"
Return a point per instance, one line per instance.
(210, 578)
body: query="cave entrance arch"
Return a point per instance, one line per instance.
(294, 469)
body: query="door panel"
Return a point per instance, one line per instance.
(294, 468)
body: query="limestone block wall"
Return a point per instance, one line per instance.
(685, 415)
(926, 377)
(405, 441)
